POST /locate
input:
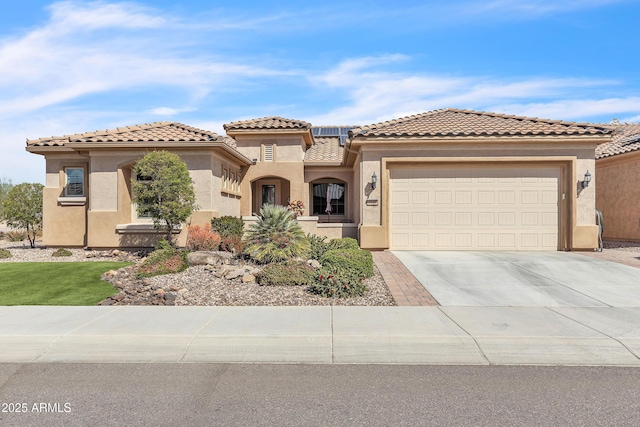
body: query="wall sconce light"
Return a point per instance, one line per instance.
(587, 180)
(374, 180)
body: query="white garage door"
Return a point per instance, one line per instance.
(474, 208)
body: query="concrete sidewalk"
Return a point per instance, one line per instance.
(395, 335)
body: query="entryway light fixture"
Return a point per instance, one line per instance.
(587, 180)
(374, 180)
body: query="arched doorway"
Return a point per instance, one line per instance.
(270, 189)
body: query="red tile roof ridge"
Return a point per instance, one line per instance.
(262, 123)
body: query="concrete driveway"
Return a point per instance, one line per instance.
(523, 279)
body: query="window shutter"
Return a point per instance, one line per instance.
(268, 153)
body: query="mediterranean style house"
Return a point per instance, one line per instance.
(443, 180)
(618, 170)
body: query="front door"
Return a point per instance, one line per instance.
(268, 194)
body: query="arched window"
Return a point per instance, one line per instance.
(328, 197)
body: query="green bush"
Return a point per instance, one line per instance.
(16, 236)
(356, 262)
(275, 236)
(344, 243)
(231, 230)
(162, 244)
(318, 246)
(4, 253)
(61, 252)
(163, 261)
(342, 284)
(228, 226)
(292, 273)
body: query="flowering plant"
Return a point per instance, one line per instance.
(296, 207)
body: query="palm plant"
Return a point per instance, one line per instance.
(276, 236)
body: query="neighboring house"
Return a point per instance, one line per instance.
(618, 171)
(442, 180)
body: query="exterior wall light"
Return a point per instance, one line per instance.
(587, 180)
(374, 180)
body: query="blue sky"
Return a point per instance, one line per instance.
(75, 66)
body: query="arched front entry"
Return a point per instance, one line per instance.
(270, 189)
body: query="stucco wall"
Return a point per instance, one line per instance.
(288, 148)
(109, 199)
(373, 232)
(618, 196)
(62, 225)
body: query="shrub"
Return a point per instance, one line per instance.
(276, 236)
(344, 243)
(318, 246)
(4, 253)
(16, 236)
(233, 244)
(332, 284)
(202, 238)
(61, 252)
(294, 273)
(296, 207)
(163, 261)
(228, 226)
(354, 262)
(162, 244)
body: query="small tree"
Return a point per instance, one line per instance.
(164, 190)
(22, 208)
(5, 187)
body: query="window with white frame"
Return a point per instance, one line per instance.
(328, 197)
(74, 186)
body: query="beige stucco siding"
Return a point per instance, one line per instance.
(62, 225)
(580, 212)
(109, 198)
(618, 196)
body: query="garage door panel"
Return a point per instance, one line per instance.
(511, 208)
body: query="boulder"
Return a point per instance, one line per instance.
(208, 257)
(234, 274)
(248, 278)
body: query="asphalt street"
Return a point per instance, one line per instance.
(310, 395)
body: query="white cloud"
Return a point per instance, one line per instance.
(373, 96)
(168, 111)
(70, 57)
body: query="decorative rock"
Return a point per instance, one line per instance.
(234, 274)
(222, 272)
(247, 278)
(314, 264)
(208, 257)
(169, 297)
(115, 252)
(160, 292)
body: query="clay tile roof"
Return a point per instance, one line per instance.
(324, 149)
(273, 122)
(454, 122)
(153, 132)
(625, 138)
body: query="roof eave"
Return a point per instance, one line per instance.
(157, 144)
(46, 149)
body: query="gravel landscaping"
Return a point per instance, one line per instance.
(211, 284)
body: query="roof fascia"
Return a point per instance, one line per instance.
(46, 149)
(306, 133)
(103, 146)
(532, 139)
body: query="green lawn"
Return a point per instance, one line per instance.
(55, 283)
